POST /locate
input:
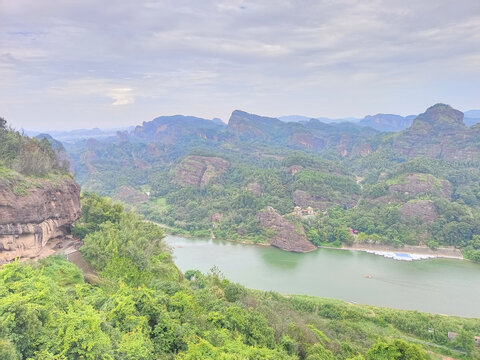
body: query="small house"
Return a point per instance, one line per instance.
(477, 341)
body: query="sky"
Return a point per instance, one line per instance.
(113, 63)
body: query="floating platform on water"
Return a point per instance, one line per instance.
(402, 256)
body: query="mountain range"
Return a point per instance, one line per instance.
(243, 180)
(381, 122)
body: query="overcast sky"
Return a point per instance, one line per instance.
(90, 63)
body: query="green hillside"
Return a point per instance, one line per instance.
(140, 306)
(417, 186)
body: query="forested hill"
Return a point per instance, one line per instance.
(416, 186)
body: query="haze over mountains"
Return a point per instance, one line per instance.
(381, 122)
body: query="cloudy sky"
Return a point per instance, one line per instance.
(88, 63)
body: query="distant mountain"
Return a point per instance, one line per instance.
(301, 118)
(254, 126)
(472, 117)
(313, 134)
(218, 121)
(56, 145)
(439, 133)
(78, 134)
(294, 118)
(169, 129)
(338, 120)
(472, 113)
(387, 122)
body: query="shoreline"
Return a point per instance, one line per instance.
(441, 252)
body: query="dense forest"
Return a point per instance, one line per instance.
(417, 186)
(138, 305)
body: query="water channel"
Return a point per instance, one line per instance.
(442, 286)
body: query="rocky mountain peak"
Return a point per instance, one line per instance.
(251, 125)
(441, 114)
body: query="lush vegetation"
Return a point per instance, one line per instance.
(31, 157)
(368, 194)
(141, 307)
(418, 186)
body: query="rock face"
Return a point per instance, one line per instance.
(423, 209)
(286, 235)
(253, 126)
(129, 195)
(387, 122)
(28, 222)
(171, 129)
(416, 184)
(199, 170)
(303, 199)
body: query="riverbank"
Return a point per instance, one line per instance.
(441, 252)
(422, 285)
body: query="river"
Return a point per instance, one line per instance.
(443, 286)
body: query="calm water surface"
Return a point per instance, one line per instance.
(437, 285)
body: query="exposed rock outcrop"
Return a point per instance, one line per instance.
(129, 195)
(29, 221)
(253, 126)
(199, 170)
(415, 184)
(304, 198)
(286, 235)
(422, 209)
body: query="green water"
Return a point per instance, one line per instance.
(437, 285)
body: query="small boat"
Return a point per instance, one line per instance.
(367, 276)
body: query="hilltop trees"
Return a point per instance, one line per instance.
(31, 157)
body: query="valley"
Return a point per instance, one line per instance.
(418, 186)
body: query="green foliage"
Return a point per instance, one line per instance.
(143, 308)
(396, 350)
(96, 210)
(31, 157)
(367, 194)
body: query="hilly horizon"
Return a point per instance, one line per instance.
(381, 122)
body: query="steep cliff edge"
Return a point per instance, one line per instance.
(30, 219)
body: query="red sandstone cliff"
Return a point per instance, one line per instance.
(28, 222)
(286, 235)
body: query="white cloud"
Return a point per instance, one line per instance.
(208, 57)
(122, 96)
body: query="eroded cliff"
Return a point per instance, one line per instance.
(285, 235)
(45, 211)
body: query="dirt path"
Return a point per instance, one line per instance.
(88, 271)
